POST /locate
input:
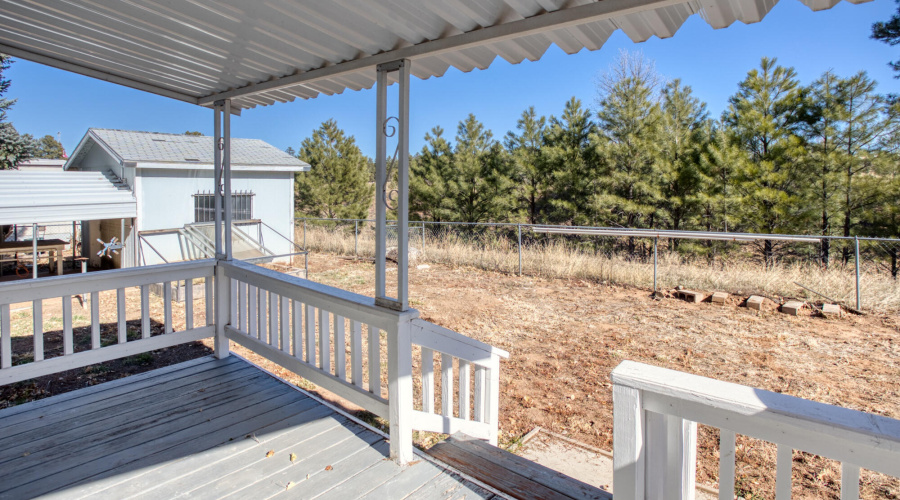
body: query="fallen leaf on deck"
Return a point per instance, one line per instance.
(290, 485)
(293, 457)
(328, 467)
(414, 462)
(270, 453)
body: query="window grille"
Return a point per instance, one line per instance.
(205, 206)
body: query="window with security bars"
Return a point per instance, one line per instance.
(205, 207)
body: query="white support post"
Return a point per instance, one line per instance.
(34, 255)
(223, 312)
(226, 169)
(217, 169)
(400, 391)
(385, 127)
(628, 442)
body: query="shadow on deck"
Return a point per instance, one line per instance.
(206, 428)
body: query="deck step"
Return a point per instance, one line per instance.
(508, 473)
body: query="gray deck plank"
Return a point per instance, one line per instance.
(59, 472)
(335, 441)
(409, 480)
(48, 441)
(123, 431)
(365, 481)
(450, 486)
(319, 479)
(14, 415)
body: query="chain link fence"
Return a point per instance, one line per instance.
(21, 263)
(817, 270)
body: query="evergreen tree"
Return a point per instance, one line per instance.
(427, 174)
(889, 33)
(630, 122)
(13, 147)
(685, 135)
(764, 118)
(49, 147)
(570, 162)
(717, 196)
(530, 172)
(337, 184)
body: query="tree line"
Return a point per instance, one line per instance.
(782, 158)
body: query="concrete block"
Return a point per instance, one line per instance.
(792, 307)
(755, 302)
(719, 298)
(831, 310)
(690, 296)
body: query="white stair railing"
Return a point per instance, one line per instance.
(655, 412)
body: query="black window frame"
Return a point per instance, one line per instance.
(241, 206)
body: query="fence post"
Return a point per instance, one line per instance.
(356, 238)
(34, 250)
(304, 235)
(655, 242)
(858, 298)
(520, 248)
(423, 238)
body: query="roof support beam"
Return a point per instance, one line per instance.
(93, 73)
(562, 18)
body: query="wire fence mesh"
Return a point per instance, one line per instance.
(21, 262)
(815, 270)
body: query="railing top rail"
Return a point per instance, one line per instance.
(330, 298)
(439, 338)
(866, 429)
(73, 284)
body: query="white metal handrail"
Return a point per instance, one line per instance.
(655, 415)
(89, 286)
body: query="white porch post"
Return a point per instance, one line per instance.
(226, 169)
(384, 197)
(217, 162)
(222, 168)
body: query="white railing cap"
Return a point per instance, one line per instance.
(753, 402)
(433, 329)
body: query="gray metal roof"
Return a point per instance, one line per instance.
(265, 51)
(40, 197)
(154, 147)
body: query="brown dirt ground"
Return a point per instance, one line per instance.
(566, 335)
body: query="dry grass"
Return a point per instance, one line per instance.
(739, 273)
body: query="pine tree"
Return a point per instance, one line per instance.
(630, 121)
(530, 172)
(427, 173)
(13, 147)
(889, 33)
(764, 118)
(49, 147)
(569, 159)
(337, 184)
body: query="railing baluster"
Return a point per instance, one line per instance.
(849, 481)
(38, 321)
(145, 312)
(374, 361)
(68, 341)
(427, 380)
(242, 306)
(298, 330)
(480, 392)
(120, 315)
(446, 385)
(726, 464)
(208, 300)
(311, 335)
(340, 349)
(356, 353)
(252, 321)
(95, 320)
(784, 464)
(189, 304)
(324, 341)
(274, 338)
(262, 301)
(285, 324)
(464, 378)
(5, 337)
(167, 307)
(233, 316)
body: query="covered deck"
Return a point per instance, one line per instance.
(208, 428)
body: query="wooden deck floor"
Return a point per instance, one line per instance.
(203, 429)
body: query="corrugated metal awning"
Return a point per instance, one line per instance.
(265, 51)
(34, 197)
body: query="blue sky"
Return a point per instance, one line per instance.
(710, 61)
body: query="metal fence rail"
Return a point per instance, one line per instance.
(851, 270)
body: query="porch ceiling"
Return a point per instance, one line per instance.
(266, 51)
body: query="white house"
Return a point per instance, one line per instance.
(170, 176)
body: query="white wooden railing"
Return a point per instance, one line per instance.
(336, 339)
(87, 287)
(656, 412)
(469, 353)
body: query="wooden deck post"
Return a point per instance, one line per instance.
(628, 443)
(400, 390)
(223, 312)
